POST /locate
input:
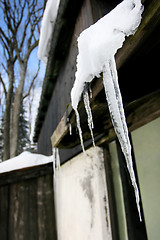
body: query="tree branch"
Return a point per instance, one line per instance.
(4, 87)
(33, 80)
(4, 38)
(32, 47)
(5, 68)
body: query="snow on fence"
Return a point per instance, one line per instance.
(26, 198)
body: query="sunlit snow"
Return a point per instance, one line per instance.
(24, 160)
(97, 48)
(47, 27)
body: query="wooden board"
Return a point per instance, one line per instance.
(138, 113)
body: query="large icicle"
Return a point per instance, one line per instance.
(79, 129)
(57, 188)
(97, 47)
(113, 96)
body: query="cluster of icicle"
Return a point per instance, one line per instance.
(97, 47)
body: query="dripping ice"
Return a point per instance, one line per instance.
(89, 113)
(97, 47)
(57, 184)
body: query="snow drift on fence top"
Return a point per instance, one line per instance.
(48, 21)
(100, 42)
(24, 160)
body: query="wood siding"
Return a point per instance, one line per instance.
(61, 93)
(90, 12)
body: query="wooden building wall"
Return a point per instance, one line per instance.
(27, 204)
(61, 93)
(91, 11)
(137, 72)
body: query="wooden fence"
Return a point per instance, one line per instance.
(27, 204)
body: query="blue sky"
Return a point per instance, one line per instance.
(33, 61)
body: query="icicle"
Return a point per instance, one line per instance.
(56, 159)
(89, 113)
(70, 129)
(79, 129)
(57, 183)
(90, 119)
(90, 91)
(115, 105)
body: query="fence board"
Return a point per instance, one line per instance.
(45, 208)
(27, 204)
(3, 212)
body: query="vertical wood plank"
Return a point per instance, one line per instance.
(16, 212)
(3, 212)
(45, 202)
(23, 211)
(31, 216)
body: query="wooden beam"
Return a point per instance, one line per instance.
(61, 131)
(137, 113)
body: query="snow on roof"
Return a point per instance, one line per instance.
(48, 22)
(98, 43)
(24, 160)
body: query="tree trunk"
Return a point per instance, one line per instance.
(7, 114)
(16, 112)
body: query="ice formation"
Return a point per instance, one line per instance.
(47, 27)
(57, 187)
(89, 113)
(97, 48)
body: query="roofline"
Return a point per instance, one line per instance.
(64, 26)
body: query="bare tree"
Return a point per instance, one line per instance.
(19, 35)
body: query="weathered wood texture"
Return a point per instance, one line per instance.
(27, 204)
(137, 113)
(64, 82)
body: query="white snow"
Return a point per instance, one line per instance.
(100, 42)
(24, 160)
(48, 22)
(97, 48)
